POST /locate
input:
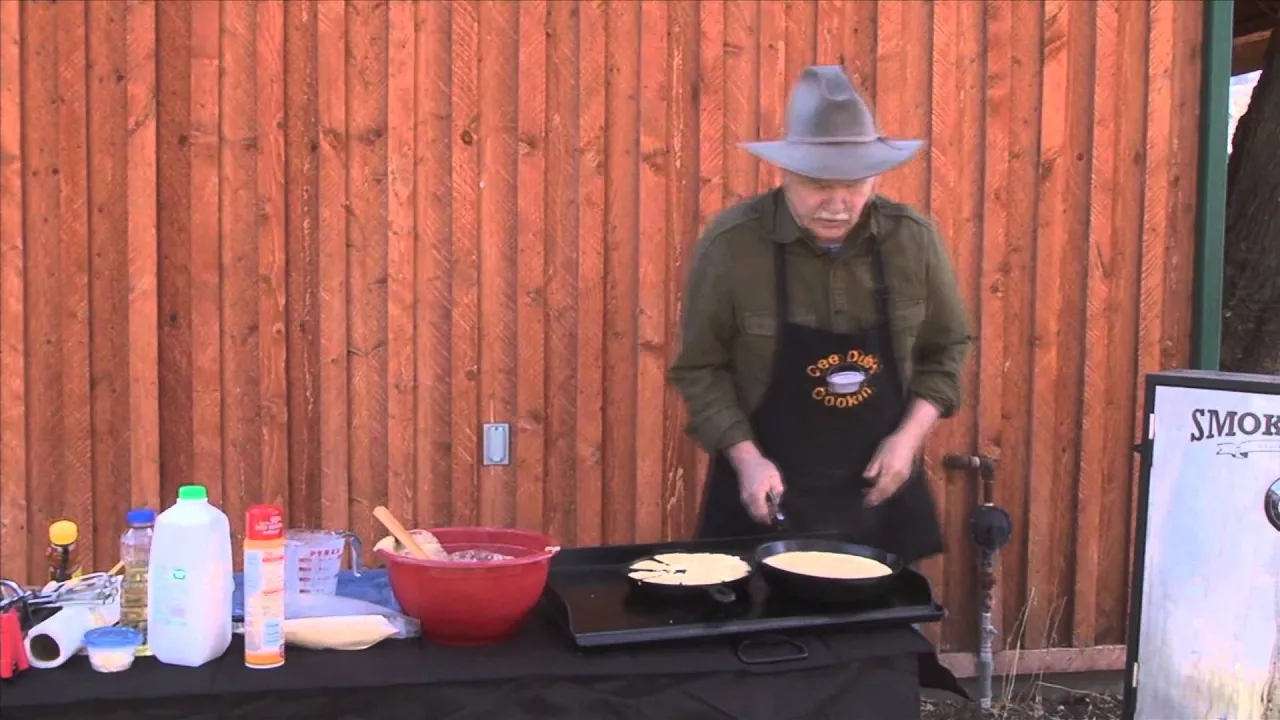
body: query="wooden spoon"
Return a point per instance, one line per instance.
(397, 531)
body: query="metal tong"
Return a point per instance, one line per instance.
(775, 508)
(91, 589)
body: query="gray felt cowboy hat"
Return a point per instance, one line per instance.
(831, 134)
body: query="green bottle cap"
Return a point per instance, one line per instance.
(192, 492)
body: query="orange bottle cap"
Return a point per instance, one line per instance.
(63, 532)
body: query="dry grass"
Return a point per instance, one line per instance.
(1032, 698)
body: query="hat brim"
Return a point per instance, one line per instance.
(830, 161)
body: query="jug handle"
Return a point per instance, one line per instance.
(357, 551)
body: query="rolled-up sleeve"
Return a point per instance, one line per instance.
(701, 372)
(944, 337)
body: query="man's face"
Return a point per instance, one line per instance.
(827, 208)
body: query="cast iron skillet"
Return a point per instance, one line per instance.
(725, 593)
(809, 587)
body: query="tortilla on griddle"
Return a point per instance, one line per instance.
(689, 569)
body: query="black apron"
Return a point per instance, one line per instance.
(832, 397)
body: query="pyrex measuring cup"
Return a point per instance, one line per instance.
(313, 558)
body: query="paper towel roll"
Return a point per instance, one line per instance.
(53, 641)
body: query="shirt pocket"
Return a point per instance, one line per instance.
(753, 351)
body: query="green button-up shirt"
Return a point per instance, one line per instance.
(730, 309)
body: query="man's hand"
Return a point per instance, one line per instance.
(757, 477)
(890, 466)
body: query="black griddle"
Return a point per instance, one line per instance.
(588, 592)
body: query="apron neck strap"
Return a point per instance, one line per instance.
(780, 284)
(880, 279)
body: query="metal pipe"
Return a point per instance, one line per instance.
(986, 631)
(985, 468)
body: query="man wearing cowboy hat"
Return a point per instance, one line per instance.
(822, 338)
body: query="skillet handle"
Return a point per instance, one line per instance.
(722, 594)
(746, 657)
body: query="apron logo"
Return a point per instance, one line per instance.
(844, 378)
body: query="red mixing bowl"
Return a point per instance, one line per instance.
(473, 603)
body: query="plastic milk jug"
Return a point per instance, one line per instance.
(190, 588)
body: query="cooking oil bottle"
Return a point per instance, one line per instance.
(135, 553)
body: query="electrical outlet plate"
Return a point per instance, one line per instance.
(497, 443)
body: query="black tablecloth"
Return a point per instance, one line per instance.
(873, 674)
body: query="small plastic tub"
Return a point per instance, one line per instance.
(111, 649)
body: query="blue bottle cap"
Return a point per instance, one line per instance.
(115, 638)
(140, 516)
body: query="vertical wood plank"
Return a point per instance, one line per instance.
(271, 216)
(238, 210)
(861, 51)
(367, 261)
(13, 345)
(532, 281)
(1058, 317)
(947, 165)
(801, 43)
(990, 304)
(712, 110)
(401, 260)
(74, 488)
(621, 283)
(1101, 308)
(773, 86)
(206, 260)
(112, 327)
(433, 210)
(903, 104)
(903, 71)
(956, 197)
(498, 56)
(683, 185)
(174, 261)
(1115, 503)
(1043, 592)
(589, 470)
(743, 101)
(331, 81)
(1026, 21)
(714, 145)
(302, 311)
(174, 258)
(1157, 215)
(1179, 252)
(143, 261)
(563, 486)
(465, 264)
(42, 279)
(654, 244)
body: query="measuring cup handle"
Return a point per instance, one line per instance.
(357, 551)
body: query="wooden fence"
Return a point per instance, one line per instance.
(300, 251)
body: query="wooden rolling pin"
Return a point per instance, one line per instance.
(397, 531)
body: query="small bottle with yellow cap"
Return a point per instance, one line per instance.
(63, 563)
